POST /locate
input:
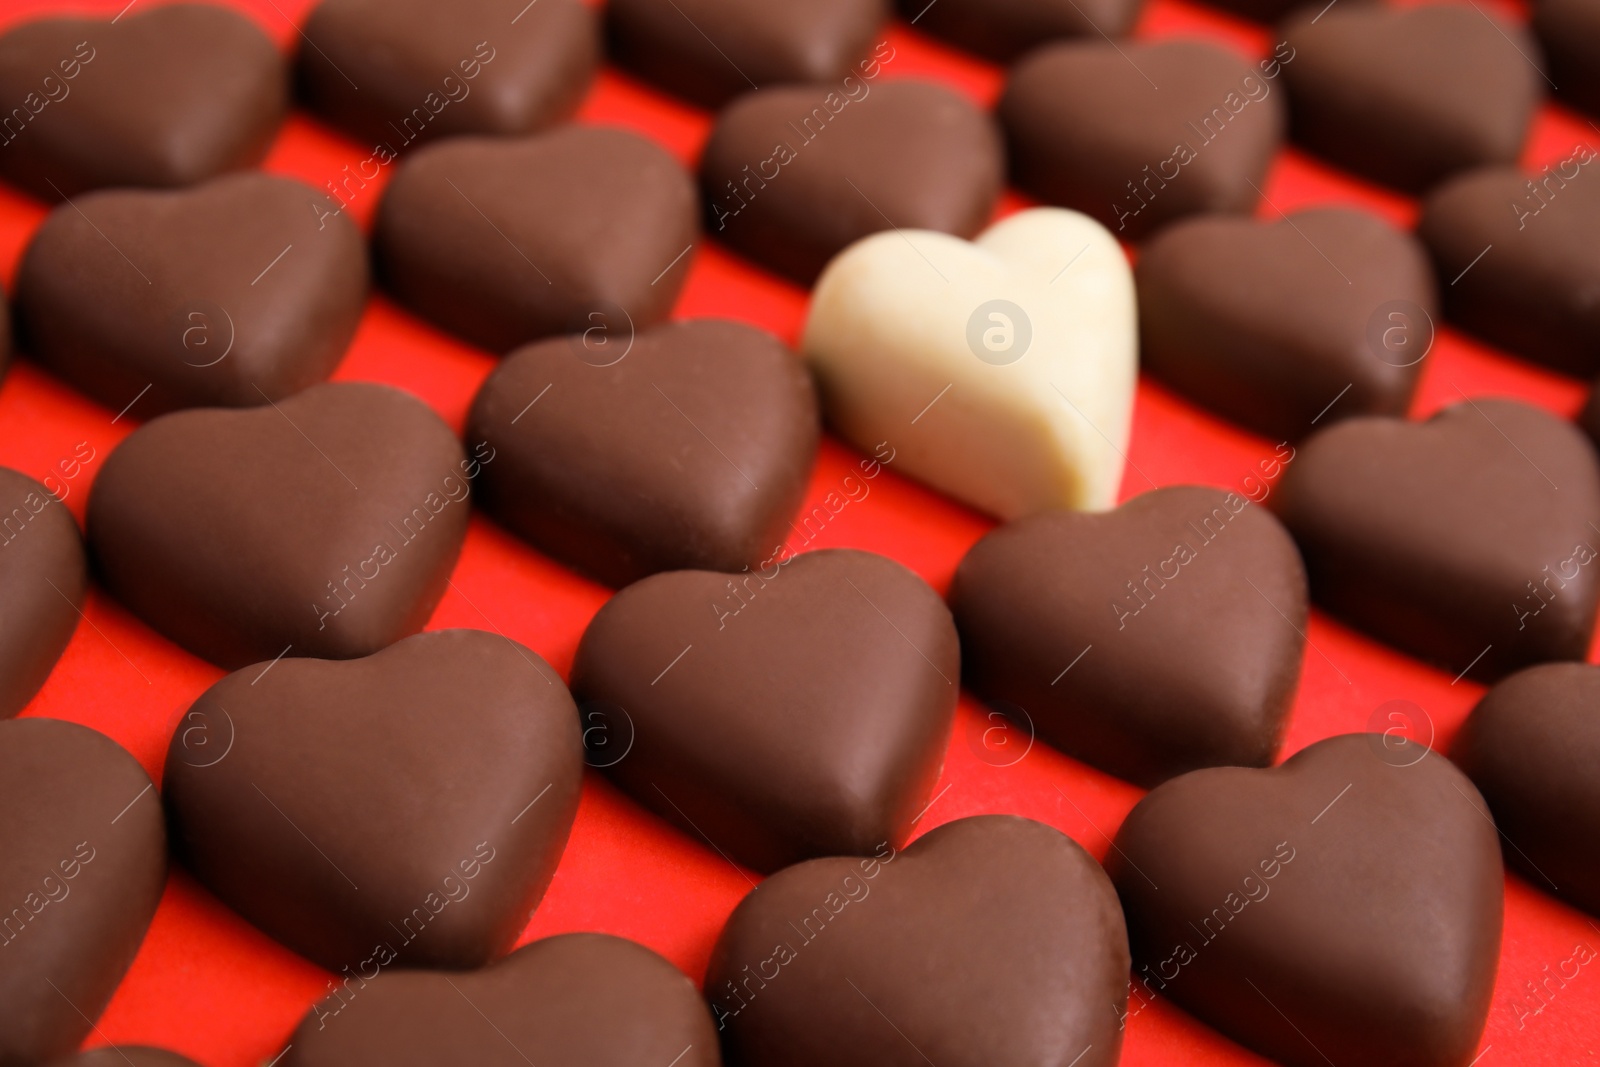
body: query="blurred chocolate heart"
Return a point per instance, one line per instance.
(1284, 326)
(587, 999)
(1407, 96)
(992, 941)
(408, 807)
(1003, 30)
(231, 294)
(1531, 746)
(1569, 32)
(167, 96)
(690, 448)
(1516, 254)
(85, 864)
(1342, 908)
(1137, 135)
(43, 581)
(326, 525)
(395, 73)
(1193, 591)
(795, 710)
(506, 241)
(791, 176)
(1466, 540)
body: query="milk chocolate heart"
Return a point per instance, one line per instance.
(1342, 908)
(794, 711)
(1193, 591)
(506, 241)
(1001, 372)
(1569, 33)
(1137, 135)
(587, 999)
(709, 51)
(1284, 326)
(1003, 30)
(992, 941)
(167, 96)
(408, 807)
(395, 73)
(793, 175)
(325, 525)
(1467, 540)
(1516, 254)
(43, 581)
(230, 294)
(1530, 747)
(689, 449)
(85, 862)
(124, 1056)
(1409, 96)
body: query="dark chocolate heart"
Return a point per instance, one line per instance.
(326, 525)
(1193, 591)
(1515, 256)
(1531, 747)
(1467, 540)
(709, 51)
(1407, 96)
(797, 710)
(1569, 32)
(166, 96)
(230, 294)
(589, 999)
(1343, 908)
(792, 176)
(992, 941)
(1137, 135)
(85, 863)
(409, 807)
(507, 241)
(400, 72)
(1003, 30)
(1284, 326)
(43, 581)
(124, 1056)
(689, 449)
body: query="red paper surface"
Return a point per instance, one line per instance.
(208, 985)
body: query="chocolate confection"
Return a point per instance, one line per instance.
(1530, 747)
(394, 73)
(798, 709)
(1516, 262)
(85, 863)
(1285, 326)
(1466, 540)
(689, 449)
(1193, 591)
(229, 294)
(409, 807)
(709, 51)
(124, 1056)
(43, 582)
(503, 242)
(326, 525)
(170, 95)
(1342, 908)
(791, 176)
(1569, 33)
(1002, 30)
(992, 941)
(1137, 135)
(577, 998)
(1408, 96)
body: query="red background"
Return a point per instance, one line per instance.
(208, 985)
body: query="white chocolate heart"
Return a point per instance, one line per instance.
(1012, 409)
